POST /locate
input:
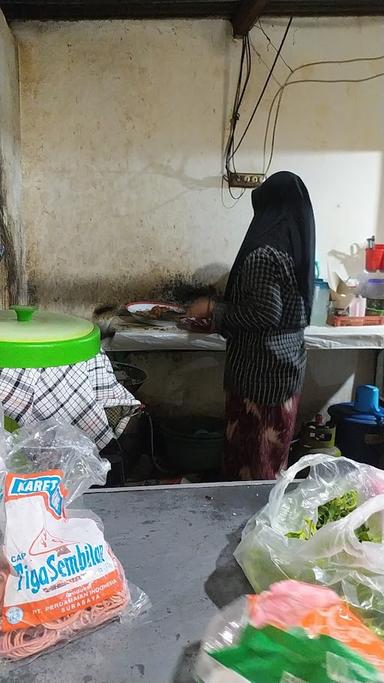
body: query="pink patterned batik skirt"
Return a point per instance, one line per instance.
(258, 438)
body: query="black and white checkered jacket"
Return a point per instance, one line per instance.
(264, 325)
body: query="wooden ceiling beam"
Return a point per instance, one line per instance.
(325, 8)
(74, 10)
(246, 16)
(243, 13)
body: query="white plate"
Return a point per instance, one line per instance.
(137, 308)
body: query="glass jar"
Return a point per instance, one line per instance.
(373, 290)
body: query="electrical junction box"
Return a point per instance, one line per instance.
(245, 180)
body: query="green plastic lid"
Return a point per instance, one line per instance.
(37, 339)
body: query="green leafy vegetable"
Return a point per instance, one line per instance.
(364, 533)
(305, 533)
(336, 509)
(333, 511)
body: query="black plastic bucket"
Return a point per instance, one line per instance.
(192, 444)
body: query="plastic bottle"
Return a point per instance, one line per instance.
(358, 307)
(320, 303)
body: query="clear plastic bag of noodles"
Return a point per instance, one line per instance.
(59, 578)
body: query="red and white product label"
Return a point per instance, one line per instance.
(59, 565)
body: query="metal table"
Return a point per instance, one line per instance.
(177, 544)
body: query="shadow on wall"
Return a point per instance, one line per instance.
(189, 183)
(206, 281)
(332, 377)
(347, 265)
(181, 383)
(93, 294)
(178, 173)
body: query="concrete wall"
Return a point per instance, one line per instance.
(123, 127)
(12, 279)
(191, 382)
(123, 130)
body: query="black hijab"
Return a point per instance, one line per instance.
(283, 219)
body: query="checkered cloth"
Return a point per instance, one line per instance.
(79, 394)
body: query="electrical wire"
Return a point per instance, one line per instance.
(280, 92)
(223, 195)
(240, 91)
(242, 83)
(265, 34)
(246, 63)
(264, 88)
(262, 60)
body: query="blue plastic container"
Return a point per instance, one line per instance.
(320, 303)
(360, 427)
(367, 399)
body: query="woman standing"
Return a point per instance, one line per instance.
(266, 307)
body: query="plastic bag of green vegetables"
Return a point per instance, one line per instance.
(327, 529)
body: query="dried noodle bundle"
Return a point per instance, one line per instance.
(19, 644)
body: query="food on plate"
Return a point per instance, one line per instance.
(159, 312)
(164, 313)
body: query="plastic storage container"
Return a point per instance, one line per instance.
(372, 288)
(320, 303)
(371, 284)
(375, 302)
(37, 339)
(374, 258)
